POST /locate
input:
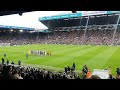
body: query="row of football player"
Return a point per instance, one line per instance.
(41, 53)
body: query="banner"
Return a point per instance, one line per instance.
(4, 44)
(60, 16)
(15, 27)
(88, 13)
(103, 74)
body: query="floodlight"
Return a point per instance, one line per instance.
(21, 30)
(11, 30)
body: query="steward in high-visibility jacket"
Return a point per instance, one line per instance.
(88, 75)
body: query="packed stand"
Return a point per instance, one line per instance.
(75, 37)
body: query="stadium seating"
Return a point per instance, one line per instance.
(75, 37)
(92, 37)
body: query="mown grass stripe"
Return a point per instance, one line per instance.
(101, 59)
(62, 53)
(84, 57)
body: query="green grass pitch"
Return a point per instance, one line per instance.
(95, 57)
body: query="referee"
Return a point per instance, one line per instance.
(4, 55)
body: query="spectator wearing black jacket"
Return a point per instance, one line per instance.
(19, 62)
(73, 65)
(6, 72)
(12, 63)
(84, 71)
(66, 70)
(3, 61)
(118, 71)
(7, 62)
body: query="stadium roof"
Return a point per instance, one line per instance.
(16, 27)
(2, 13)
(79, 19)
(81, 13)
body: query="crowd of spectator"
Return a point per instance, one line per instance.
(18, 71)
(76, 37)
(12, 71)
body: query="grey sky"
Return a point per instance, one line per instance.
(29, 19)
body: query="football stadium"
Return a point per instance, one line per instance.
(80, 45)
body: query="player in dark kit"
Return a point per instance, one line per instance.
(48, 53)
(4, 55)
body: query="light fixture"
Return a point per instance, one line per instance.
(21, 30)
(11, 30)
